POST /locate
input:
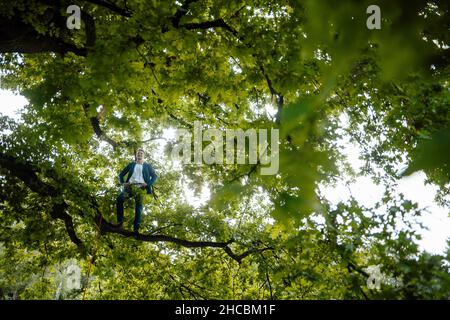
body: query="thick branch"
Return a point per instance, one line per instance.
(59, 212)
(16, 36)
(107, 227)
(89, 23)
(28, 174)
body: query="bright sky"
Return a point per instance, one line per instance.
(363, 189)
(10, 104)
(366, 192)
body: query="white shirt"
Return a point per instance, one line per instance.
(137, 176)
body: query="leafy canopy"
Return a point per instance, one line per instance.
(138, 67)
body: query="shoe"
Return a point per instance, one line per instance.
(118, 226)
(136, 233)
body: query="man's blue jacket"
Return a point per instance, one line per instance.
(148, 173)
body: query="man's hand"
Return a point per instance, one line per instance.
(144, 185)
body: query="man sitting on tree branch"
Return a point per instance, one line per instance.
(141, 176)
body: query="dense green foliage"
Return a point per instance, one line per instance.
(138, 67)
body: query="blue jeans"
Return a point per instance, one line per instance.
(130, 192)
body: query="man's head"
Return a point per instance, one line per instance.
(140, 155)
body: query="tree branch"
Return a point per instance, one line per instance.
(218, 23)
(270, 285)
(59, 212)
(16, 36)
(165, 227)
(161, 103)
(279, 97)
(107, 227)
(26, 172)
(112, 7)
(89, 25)
(181, 12)
(95, 122)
